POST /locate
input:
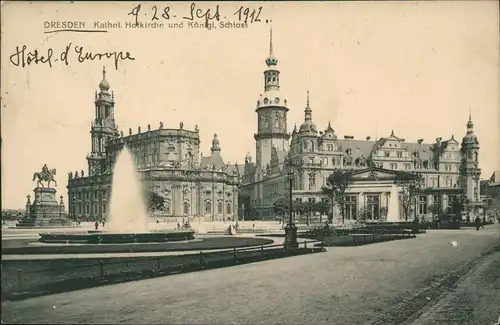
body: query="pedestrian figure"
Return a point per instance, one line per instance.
(478, 223)
(96, 225)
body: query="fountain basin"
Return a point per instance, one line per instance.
(97, 237)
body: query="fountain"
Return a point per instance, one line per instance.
(127, 212)
(128, 218)
(393, 211)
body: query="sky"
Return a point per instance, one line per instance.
(416, 68)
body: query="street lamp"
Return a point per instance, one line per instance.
(291, 228)
(73, 206)
(103, 208)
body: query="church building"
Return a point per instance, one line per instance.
(169, 162)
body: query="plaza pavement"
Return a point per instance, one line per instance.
(476, 299)
(345, 285)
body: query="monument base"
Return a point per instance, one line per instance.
(291, 236)
(45, 212)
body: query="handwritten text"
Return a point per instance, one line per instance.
(23, 57)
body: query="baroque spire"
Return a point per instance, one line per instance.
(104, 85)
(308, 110)
(271, 41)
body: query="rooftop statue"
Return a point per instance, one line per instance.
(46, 175)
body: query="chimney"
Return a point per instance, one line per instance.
(420, 141)
(368, 138)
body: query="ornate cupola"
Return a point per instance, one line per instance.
(215, 144)
(308, 126)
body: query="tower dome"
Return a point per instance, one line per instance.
(470, 137)
(104, 85)
(308, 125)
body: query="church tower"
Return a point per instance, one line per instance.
(271, 112)
(103, 127)
(470, 170)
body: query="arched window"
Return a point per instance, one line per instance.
(208, 207)
(277, 120)
(186, 208)
(219, 208)
(228, 208)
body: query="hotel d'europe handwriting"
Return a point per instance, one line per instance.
(156, 13)
(23, 57)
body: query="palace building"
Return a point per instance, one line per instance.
(169, 163)
(450, 169)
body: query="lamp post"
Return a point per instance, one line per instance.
(102, 209)
(61, 207)
(73, 207)
(290, 228)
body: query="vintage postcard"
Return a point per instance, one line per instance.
(235, 162)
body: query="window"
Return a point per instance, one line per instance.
(311, 200)
(400, 154)
(95, 208)
(185, 208)
(312, 182)
(394, 166)
(208, 207)
(87, 209)
(330, 147)
(407, 166)
(422, 205)
(386, 153)
(104, 208)
(324, 199)
(167, 208)
(277, 120)
(228, 207)
(373, 207)
(351, 207)
(219, 208)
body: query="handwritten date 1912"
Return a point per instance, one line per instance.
(243, 14)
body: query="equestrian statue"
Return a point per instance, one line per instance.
(46, 175)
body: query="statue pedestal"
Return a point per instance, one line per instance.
(291, 236)
(45, 212)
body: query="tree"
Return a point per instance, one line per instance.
(363, 214)
(336, 185)
(322, 208)
(156, 202)
(411, 185)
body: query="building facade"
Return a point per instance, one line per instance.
(490, 192)
(169, 162)
(450, 169)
